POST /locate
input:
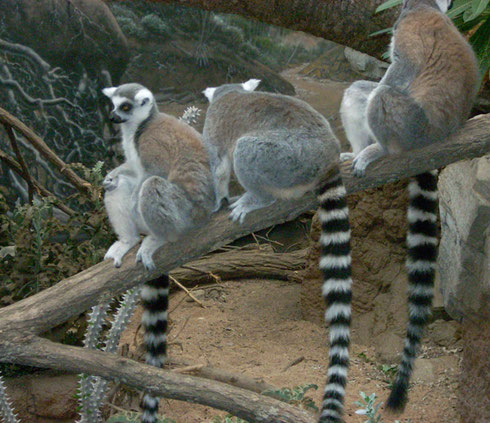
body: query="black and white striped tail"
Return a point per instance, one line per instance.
(335, 263)
(154, 296)
(421, 263)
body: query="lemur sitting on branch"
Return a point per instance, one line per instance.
(163, 189)
(281, 148)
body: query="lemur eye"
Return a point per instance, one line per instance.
(126, 107)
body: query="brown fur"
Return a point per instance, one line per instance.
(429, 40)
(174, 150)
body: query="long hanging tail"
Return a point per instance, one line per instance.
(335, 263)
(421, 263)
(155, 302)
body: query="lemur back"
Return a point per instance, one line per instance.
(424, 96)
(281, 148)
(162, 190)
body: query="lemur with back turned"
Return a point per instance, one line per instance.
(163, 189)
(425, 95)
(280, 148)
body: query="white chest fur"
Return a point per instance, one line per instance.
(130, 151)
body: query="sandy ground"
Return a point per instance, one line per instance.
(254, 327)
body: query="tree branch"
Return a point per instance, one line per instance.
(9, 120)
(31, 100)
(242, 403)
(43, 192)
(347, 22)
(22, 163)
(26, 52)
(241, 264)
(76, 294)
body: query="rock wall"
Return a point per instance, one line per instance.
(44, 397)
(464, 262)
(464, 266)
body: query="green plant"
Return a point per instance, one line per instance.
(369, 408)
(155, 25)
(6, 409)
(49, 245)
(389, 370)
(295, 396)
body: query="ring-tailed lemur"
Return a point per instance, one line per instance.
(280, 148)
(426, 93)
(163, 189)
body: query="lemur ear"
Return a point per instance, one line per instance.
(209, 93)
(109, 92)
(143, 96)
(251, 84)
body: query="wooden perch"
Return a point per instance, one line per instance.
(20, 322)
(220, 375)
(11, 121)
(245, 404)
(241, 264)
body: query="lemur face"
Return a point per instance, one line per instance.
(133, 103)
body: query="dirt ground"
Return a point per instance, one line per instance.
(254, 328)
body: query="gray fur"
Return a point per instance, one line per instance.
(278, 146)
(424, 96)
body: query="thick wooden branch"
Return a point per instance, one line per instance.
(240, 264)
(245, 404)
(76, 294)
(9, 120)
(208, 372)
(347, 22)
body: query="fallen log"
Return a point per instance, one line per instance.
(242, 264)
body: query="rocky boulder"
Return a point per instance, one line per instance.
(464, 267)
(464, 251)
(68, 33)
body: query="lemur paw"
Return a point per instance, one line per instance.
(146, 257)
(346, 156)
(239, 212)
(116, 252)
(359, 167)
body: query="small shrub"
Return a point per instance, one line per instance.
(295, 396)
(155, 25)
(370, 408)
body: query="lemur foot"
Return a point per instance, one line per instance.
(148, 247)
(244, 205)
(359, 167)
(346, 156)
(146, 257)
(118, 250)
(370, 154)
